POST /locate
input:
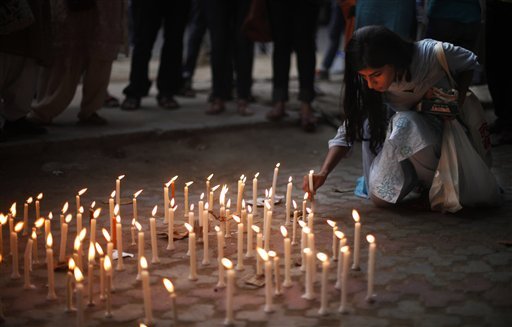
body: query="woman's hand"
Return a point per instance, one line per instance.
(318, 181)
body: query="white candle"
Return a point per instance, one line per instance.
(255, 195)
(154, 247)
(49, 264)
(48, 225)
(220, 255)
(3, 220)
(170, 288)
(79, 290)
(192, 249)
(166, 202)
(69, 286)
(118, 190)
(227, 223)
(229, 291)
(344, 276)
(64, 238)
(79, 223)
(250, 219)
(134, 202)
(26, 260)
(311, 245)
(206, 253)
(311, 218)
(287, 257)
(110, 250)
(185, 192)
(25, 216)
(38, 207)
(15, 261)
(200, 210)
(295, 222)
(304, 203)
(259, 244)
(101, 255)
(90, 273)
(310, 292)
(119, 234)
(268, 228)
(342, 243)
(239, 193)
(170, 226)
(111, 216)
(77, 198)
(370, 296)
(334, 239)
(303, 244)
(268, 279)
(132, 230)
(146, 291)
(35, 255)
(277, 272)
(288, 200)
(357, 239)
(107, 266)
(311, 185)
(240, 244)
(323, 293)
(140, 246)
(191, 221)
(208, 187)
(210, 199)
(274, 185)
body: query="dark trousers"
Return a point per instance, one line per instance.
(230, 48)
(293, 25)
(148, 17)
(196, 31)
(336, 26)
(497, 64)
(462, 34)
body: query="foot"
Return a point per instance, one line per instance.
(23, 126)
(93, 120)
(111, 101)
(168, 102)
(243, 108)
(278, 112)
(216, 107)
(308, 120)
(130, 103)
(322, 75)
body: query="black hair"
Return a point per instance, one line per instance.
(371, 47)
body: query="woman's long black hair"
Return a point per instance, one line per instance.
(371, 47)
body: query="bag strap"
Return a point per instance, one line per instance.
(441, 57)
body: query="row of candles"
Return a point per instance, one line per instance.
(264, 253)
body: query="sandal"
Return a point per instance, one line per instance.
(110, 101)
(278, 112)
(216, 107)
(243, 108)
(308, 120)
(168, 102)
(130, 103)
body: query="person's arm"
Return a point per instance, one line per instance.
(333, 157)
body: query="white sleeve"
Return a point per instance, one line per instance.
(340, 138)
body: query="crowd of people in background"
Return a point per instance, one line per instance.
(48, 47)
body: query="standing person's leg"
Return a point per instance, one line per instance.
(169, 72)
(281, 25)
(95, 82)
(244, 58)
(335, 31)
(147, 19)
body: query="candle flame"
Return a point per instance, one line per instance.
(331, 223)
(79, 277)
(191, 207)
(206, 206)
(355, 215)
(107, 264)
(68, 218)
(236, 218)
(50, 215)
(3, 219)
(214, 188)
(308, 210)
(321, 256)
(39, 196)
(106, 235)
(168, 285)
(82, 191)
(202, 196)
(209, 177)
(49, 240)
(345, 249)
(302, 224)
(227, 263)
(172, 202)
(65, 207)
(243, 204)
(187, 184)
(29, 200)
(294, 205)
(284, 231)
(189, 228)
(116, 209)
(290, 179)
(228, 205)
(245, 178)
(92, 252)
(137, 193)
(77, 243)
(118, 219)
(256, 175)
(96, 213)
(255, 228)
(278, 164)
(1, 258)
(153, 212)
(168, 183)
(138, 226)
(93, 204)
(71, 264)
(272, 254)
(267, 204)
(339, 234)
(13, 209)
(370, 238)
(120, 177)
(33, 235)
(113, 194)
(306, 230)
(305, 196)
(39, 223)
(81, 210)
(262, 253)
(249, 208)
(82, 234)
(99, 249)
(217, 229)
(270, 192)
(133, 222)
(174, 179)
(143, 263)
(241, 177)
(306, 250)
(18, 227)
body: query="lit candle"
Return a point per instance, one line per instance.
(39, 223)
(146, 290)
(110, 251)
(79, 224)
(344, 276)
(210, 198)
(118, 189)
(243, 217)
(101, 255)
(170, 288)
(90, 273)
(119, 233)
(250, 219)
(192, 249)
(268, 227)
(11, 215)
(303, 244)
(107, 266)
(38, 206)
(208, 187)
(255, 194)
(227, 222)
(259, 244)
(240, 244)
(64, 238)
(14, 241)
(310, 218)
(166, 201)
(310, 292)
(77, 198)
(334, 239)
(240, 194)
(134, 202)
(342, 242)
(185, 192)
(170, 226)
(206, 253)
(287, 257)
(288, 201)
(277, 272)
(311, 185)
(311, 245)
(48, 225)
(220, 254)
(140, 246)
(295, 221)
(200, 210)
(3, 220)
(191, 216)
(132, 230)
(25, 216)
(63, 212)
(304, 203)
(69, 285)
(154, 248)
(370, 296)
(274, 185)
(49, 262)
(229, 291)
(112, 216)
(357, 239)
(78, 247)
(265, 210)
(323, 298)
(27, 260)
(79, 291)
(268, 279)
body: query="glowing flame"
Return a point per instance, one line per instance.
(188, 227)
(174, 179)
(305, 196)
(118, 219)
(77, 243)
(191, 207)
(370, 238)
(133, 222)
(82, 191)
(355, 215)
(92, 252)
(245, 178)
(256, 175)
(255, 228)
(120, 177)
(308, 210)
(81, 210)
(270, 192)
(345, 249)
(290, 179)
(294, 205)
(202, 196)
(284, 231)
(236, 218)
(306, 230)
(99, 249)
(82, 234)
(187, 184)
(143, 263)
(228, 205)
(249, 209)
(96, 213)
(39, 196)
(93, 204)
(215, 188)
(272, 254)
(278, 164)
(307, 251)
(106, 235)
(113, 194)
(331, 223)
(206, 206)
(79, 277)
(65, 208)
(227, 263)
(168, 183)
(243, 204)
(13, 209)
(107, 264)
(138, 226)
(29, 200)
(18, 227)
(267, 204)
(168, 285)
(321, 256)
(49, 240)
(172, 202)
(39, 223)
(217, 229)
(262, 253)
(137, 193)
(71, 264)
(153, 212)
(116, 209)
(68, 218)
(209, 177)
(339, 234)
(50, 215)
(33, 235)
(302, 224)
(3, 219)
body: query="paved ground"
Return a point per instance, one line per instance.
(432, 269)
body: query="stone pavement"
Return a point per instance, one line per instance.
(431, 269)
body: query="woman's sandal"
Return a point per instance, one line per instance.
(243, 108)
(277, 113)
(216, 107)
(130, 103)
(111, 101)
(168, 103)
